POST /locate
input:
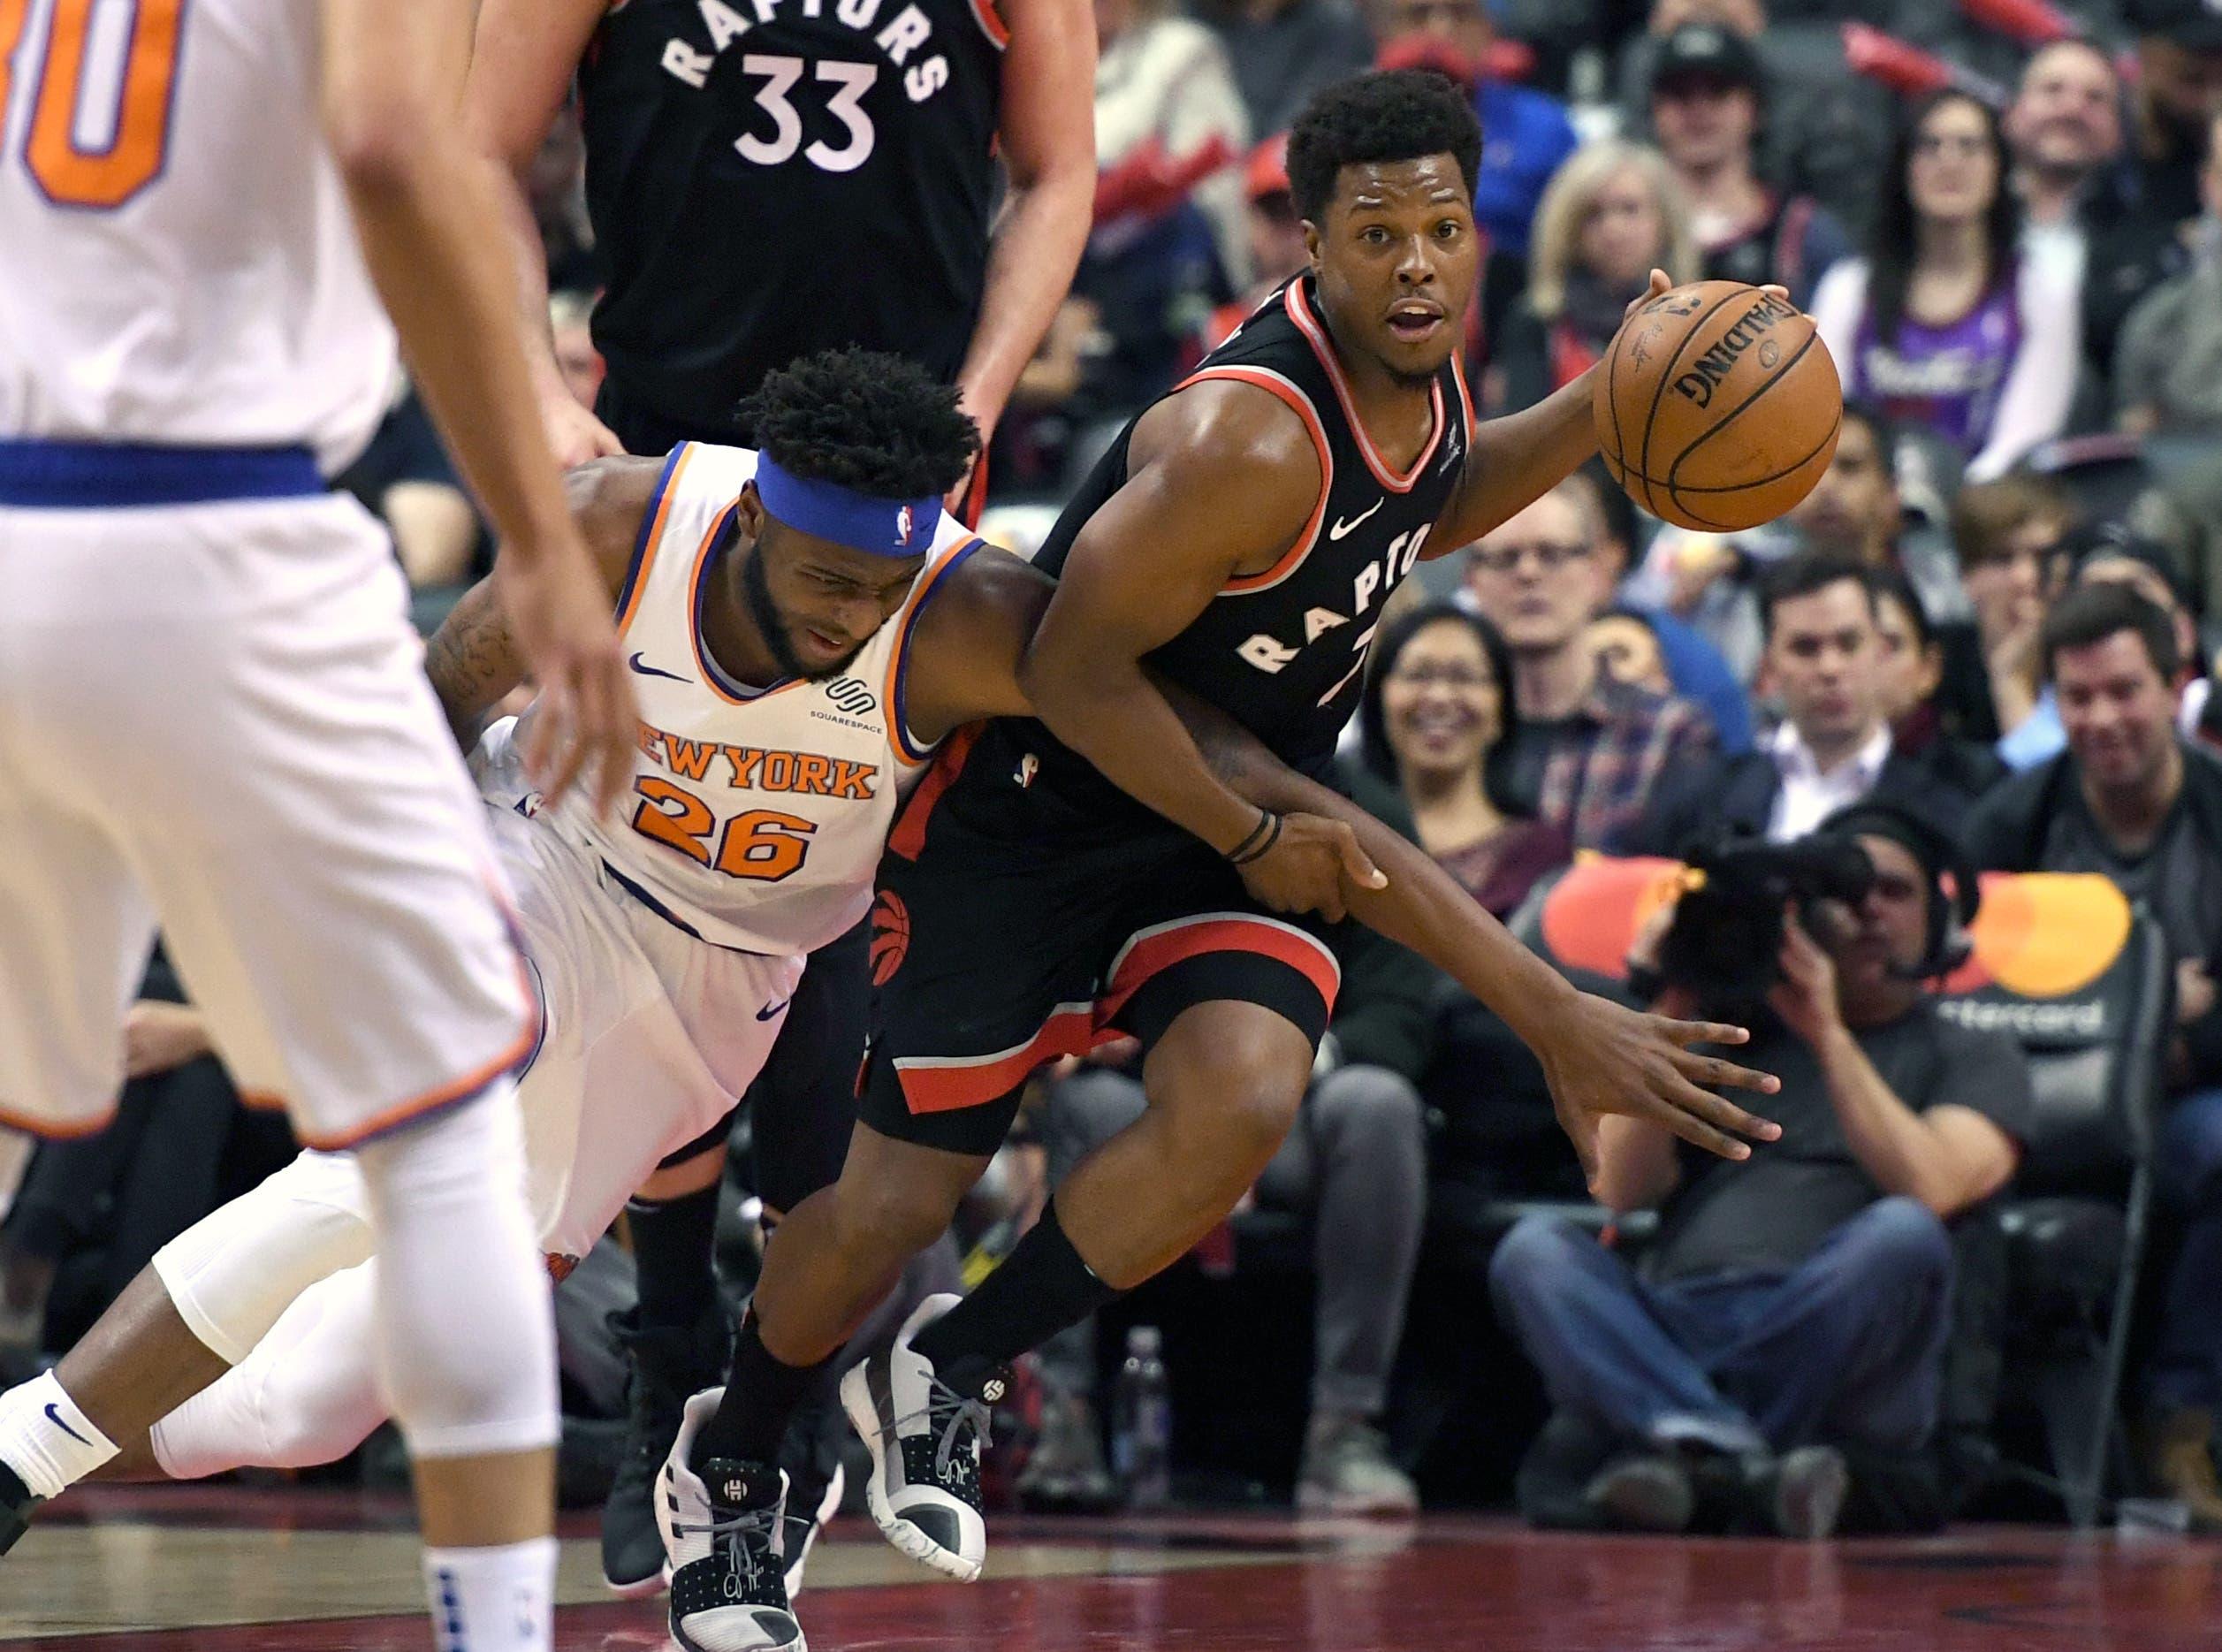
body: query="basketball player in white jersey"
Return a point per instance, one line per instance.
(806, 624)
(212, 714)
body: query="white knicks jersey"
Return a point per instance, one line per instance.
(756, 818)
(178, 264)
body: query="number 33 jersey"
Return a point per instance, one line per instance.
(756, 817)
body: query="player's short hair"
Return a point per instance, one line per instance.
(1806, 574)
(864, 420)
(1386, 115)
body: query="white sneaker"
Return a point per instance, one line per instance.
(728, 1590)
(924, 1440)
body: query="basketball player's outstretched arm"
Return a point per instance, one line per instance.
(1600, 1058)
(425, 212)
(522, 64)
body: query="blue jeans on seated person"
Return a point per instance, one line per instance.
(1846, 1348)
(2186, 1364)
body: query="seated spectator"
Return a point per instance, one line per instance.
(1826, 128)
(2130, 800)
(1282, 51)
(1709, 95)
(1833, 746)
(1439, 699)
(2168, 367)
(1530, 134)
(1356, 1164)
(2009, 535)
(2110, 554)
(1909, 667)
(2176, 94)
(1944, 324)
(1794, 1306)
(1590, 751)
(2065, 128)
(1611, 214)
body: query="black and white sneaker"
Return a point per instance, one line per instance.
(16, 1504)
(667, 1366)
(924, 1439)
(723, 1530)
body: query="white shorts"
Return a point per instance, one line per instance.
(649, 1037)
(215, 719)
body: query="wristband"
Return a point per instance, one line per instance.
(1253, 848)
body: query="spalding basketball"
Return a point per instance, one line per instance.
(1718, 407)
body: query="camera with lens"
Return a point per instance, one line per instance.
(1726, 942)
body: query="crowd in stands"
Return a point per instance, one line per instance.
(1996, 618)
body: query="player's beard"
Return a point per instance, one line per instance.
(772, 625)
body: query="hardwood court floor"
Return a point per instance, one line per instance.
(224, 1570)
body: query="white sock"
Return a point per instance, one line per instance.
(49, 1443)
(492, 1600)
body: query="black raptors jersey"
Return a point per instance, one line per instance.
(771, 177)
(1283, 650)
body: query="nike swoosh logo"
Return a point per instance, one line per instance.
(770, 1010)
(651, 671)
(1341, 527)
(54, 1416)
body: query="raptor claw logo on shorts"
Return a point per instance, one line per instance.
(890, 936)
(560, 1267)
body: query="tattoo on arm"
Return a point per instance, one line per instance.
(473, 661)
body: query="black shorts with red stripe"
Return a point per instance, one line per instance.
(1016, 923)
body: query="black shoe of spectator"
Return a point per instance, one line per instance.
(16, 1504)
(1643, 1492)
(1803, 1494)
(667, 1367)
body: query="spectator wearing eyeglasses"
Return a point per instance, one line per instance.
(1433, 723)
(1590, 751)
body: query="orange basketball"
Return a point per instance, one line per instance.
(1718, 407)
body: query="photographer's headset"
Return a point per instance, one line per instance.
(1950, 916)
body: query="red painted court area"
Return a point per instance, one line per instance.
(1196, 1584)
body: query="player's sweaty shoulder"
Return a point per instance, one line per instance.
(609, 497)
(1236, 447)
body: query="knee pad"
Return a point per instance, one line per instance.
(236, 1271)
(305, 1395)
(466, 1334)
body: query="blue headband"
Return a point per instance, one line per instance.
(891, 528)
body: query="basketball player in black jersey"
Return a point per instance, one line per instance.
(1055, 882)
(769, 178)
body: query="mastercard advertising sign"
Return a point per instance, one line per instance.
(2038, 935)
